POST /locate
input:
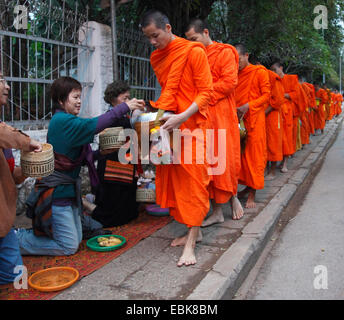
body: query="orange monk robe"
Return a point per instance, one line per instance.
(312, 107)
(291, 86)
(340, 101)
(305, 100)
(328, 104)
(319, 119)
(224, 64)
(183, 72)
(333, 103)
(274, 133)
(253, 88)
(301, 105)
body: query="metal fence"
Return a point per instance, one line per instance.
(39, 42)
(134, 64)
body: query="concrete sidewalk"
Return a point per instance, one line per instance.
(228, 251)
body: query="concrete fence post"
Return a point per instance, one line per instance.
(94, 67)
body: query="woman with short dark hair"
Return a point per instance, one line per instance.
(70, 137)
(116, 91)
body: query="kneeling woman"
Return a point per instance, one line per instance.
(116, 195)
(70, 137)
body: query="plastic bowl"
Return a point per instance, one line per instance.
(53, 279)
(155, 210)
(94, 245)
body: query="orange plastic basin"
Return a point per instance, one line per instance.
(54, 279)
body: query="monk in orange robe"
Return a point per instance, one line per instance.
(274, 125)
(301, 105)
(305, 101)
(291, 112)
(340, 99)
(332, 106)
(321, 98)
(224, 64)
(183, 71)
(335, 103)
(252, 96)
(328, 103)
(312, 107)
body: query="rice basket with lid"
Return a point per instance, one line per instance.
(38, 164)
(111, 138)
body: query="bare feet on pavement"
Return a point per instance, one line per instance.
(269, 177)
(188, 256)
(237, 209)
(216, 217)
(284, 170)
(181, 241)
(250, 200)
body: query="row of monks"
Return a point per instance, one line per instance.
(210, 84)
(280, 113)
(294, 110)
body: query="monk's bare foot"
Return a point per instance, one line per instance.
(250, 204)
(188, 257)
(270, 177)
(243, 193)
(216, 217)
(181, 241)
(237, 209)
(284, 170)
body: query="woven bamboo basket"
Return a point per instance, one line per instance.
(38, 164)
(111, 138)
(145, 195)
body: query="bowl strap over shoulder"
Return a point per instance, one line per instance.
(158, 116)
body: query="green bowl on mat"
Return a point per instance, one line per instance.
(94, 245)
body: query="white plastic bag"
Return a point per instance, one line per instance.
(160, 150)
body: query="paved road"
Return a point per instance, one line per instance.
(307, 261)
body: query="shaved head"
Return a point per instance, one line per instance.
(277, 68)
(156, 17)
(276, 64)
(197, 30)
(243, 56)
(198, 25)
(241, 48)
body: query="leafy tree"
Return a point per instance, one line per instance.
(283, 30)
